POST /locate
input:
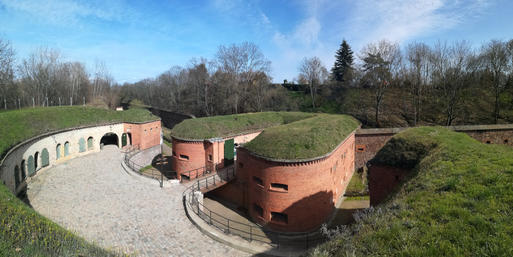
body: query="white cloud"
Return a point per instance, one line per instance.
(64, 12)
(398, 20)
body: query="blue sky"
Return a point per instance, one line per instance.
(141, 39)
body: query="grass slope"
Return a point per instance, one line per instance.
(226, 125)
(24, 232)
(457, 202)
(303, 139)
(19, 125)
(286, 135)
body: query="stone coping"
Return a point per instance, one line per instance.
(378, 131)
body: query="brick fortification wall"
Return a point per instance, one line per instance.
(15, 168)
(144, 135)
(369, 141)
(169, 118)
(278, 194)
(208, 154)
(383, 179)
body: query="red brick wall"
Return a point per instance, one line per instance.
(382, 181)
(492, 136)
(194, 150)
(145, 135)
(313, 185)
(370, 143)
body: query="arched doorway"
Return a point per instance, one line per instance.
(45, 158)
(58, 151)
(30, 166)
(36, 160)
(90, 143)
(81, 145)
(23, 171)
(66, 149)
(109, 139)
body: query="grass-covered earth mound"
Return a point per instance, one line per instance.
(17, 126)
(458, 201)
(286, 135)
(24, 232)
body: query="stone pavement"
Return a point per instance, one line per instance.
(97, 199)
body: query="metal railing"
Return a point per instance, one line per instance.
(153, 173)
(195, 173)
(246, 231)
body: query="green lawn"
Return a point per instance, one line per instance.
(24, 232)
(458, 201)
(286, 135)
(226, 125)
(303, 139)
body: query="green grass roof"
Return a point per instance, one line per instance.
(24, 232)
(286, 135)
(457, 202)
(19, 125)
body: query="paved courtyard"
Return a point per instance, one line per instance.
(95, 197)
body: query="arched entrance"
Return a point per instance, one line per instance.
(109, 139)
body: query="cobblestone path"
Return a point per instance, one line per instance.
(96, 198)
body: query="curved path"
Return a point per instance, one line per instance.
(96, 198)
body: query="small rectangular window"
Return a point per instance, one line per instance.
(210, 157)
(184, 157)
(258, 181)
(279, 217)
(258, 210)
(360, 148)
(279, 187)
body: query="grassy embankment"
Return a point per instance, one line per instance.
(457, 201)
(24, 232)
(286, 135)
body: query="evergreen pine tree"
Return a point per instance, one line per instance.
(343, 62)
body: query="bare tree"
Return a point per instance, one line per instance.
(241, 64)
(6, 69)
(381, 62)
(419, 70)
(496, 60)
(451, 65)
(39, 73)
(313, 72)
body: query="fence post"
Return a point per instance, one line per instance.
(210, 217)
(250, 233)
(198, 186)
(206, 182)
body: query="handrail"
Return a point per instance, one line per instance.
(303, 240)
(134, 150)
(196, 171)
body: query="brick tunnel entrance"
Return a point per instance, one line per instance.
(109, 139)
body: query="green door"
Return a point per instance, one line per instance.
(228, 152)
(45, 158)
(81, 145)
(30, 166)
(123, 139)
